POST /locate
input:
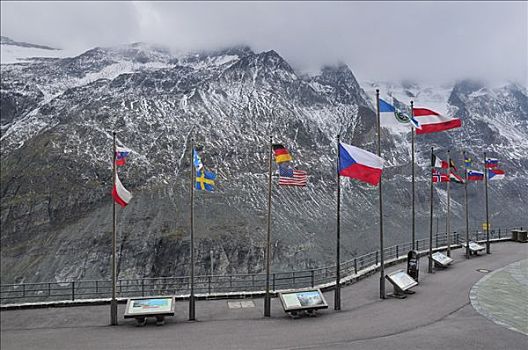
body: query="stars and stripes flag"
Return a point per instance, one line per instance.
(292, 177)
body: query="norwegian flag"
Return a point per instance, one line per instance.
(439, 177)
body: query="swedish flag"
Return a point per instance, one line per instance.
(205, 180)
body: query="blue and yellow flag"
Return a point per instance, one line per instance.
(205, 180)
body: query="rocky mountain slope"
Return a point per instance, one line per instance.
(57, 118)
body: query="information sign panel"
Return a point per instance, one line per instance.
(303, 300)
(159, 306)
(442, 259)
(476, 247)
(401, 280)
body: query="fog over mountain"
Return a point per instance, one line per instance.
(58, 113)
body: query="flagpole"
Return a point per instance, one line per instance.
(466, 204)
(412, 177)
(488, 248)
(267, 297)
(382, 260)
(337, 292)
(430, 269)
(448, 237)
(191, 248)
(113, 303)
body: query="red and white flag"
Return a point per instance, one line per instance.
(431, 121)
(120, 193)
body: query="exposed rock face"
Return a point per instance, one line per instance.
(57, 121)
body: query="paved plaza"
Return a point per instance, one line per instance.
(439, 316)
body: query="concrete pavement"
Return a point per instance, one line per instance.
(438, 316)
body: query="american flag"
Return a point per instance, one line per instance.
(291, 177)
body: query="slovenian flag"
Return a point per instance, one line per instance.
(121, 154)
(359, 164)
(495, 174)
(120, 193)
(474, 175)
(387, 109)
(492, 163)
(434, 122)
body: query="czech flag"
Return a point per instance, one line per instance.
(474, 175)
(120, 193)
(121, 154)
(495, 174)
(359, 164)
(492, 163)
(431, 121)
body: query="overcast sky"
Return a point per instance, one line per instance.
(432, 41)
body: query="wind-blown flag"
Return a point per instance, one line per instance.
(120, 156)
(291, 177)
(205, 180)
(359, 164)
(492, 163)
(120, 193)
(452, 165)
(454, 177)
(467, 162)
(434, 122)
(439, 163)
(388, 109)
(439, 177)
(281, 154)
(197, 161)
(495, 174)
(474, 175)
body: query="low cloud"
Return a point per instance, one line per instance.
(431, 41)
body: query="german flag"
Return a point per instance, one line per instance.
(281, 154)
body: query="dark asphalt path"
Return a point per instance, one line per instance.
(438, 316)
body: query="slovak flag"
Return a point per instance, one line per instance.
(120, 193)
(495, 174)
(474, 175)
(492, 163)
(434, 122)
(359, 164)
(121, 154)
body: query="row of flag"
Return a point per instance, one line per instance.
(353, 161)
(491, 165)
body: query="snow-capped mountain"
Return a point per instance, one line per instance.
(57, 118)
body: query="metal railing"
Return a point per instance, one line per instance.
(220, 285)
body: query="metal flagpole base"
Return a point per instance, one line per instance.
(113, 312)
(267, 306)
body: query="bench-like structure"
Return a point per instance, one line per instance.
(402, 283)
(441, 260)
(306, 301)
(474, 248)
(141, 308)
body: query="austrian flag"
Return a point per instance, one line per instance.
(431, 121)
(120, 193)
